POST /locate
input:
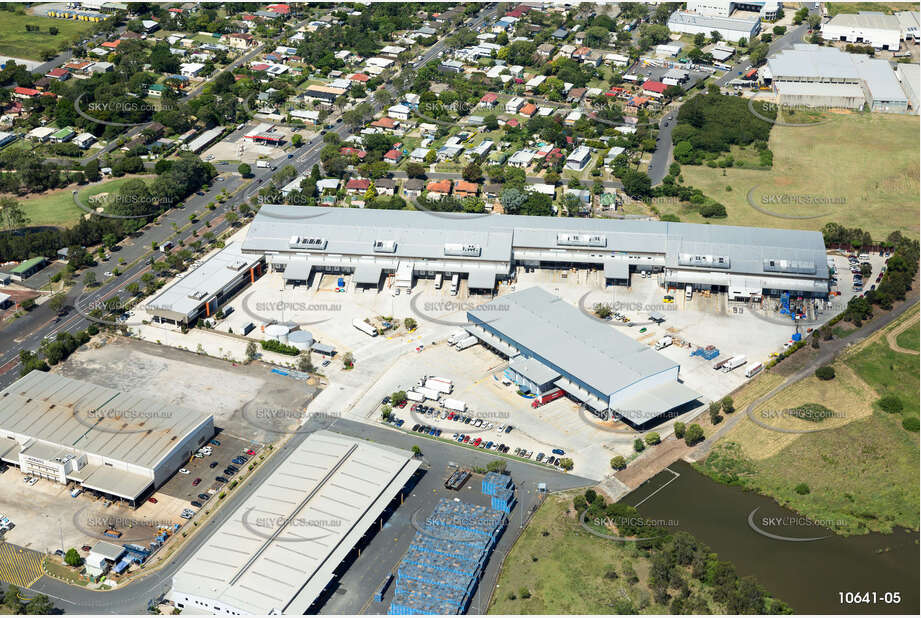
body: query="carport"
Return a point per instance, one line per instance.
(616, 271)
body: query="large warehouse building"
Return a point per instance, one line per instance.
(814, 76)
(871, 28)
(552, 344)
(202, 291)
(117, 444)
(301, 240)
(730, 28)
(279, 550)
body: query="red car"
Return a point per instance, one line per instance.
(466, 439)
(477, 441)
(250, 452)
(451, 416)
(196, 482)
(152, 500)
(402, 404)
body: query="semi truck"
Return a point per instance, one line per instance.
(428, 393)
(364, 327)
(455, 404)
(455, 283)
(466, 343)
(441, 387)
(547, 397)
(688, 292)
(754, 370)
(414, 396)
(439, 378)
(733, 363)
(664, 342)
(438, 280)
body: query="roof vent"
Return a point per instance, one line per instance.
(385, 246)
(581, 240)
(466, 250)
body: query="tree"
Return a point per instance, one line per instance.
(715, 36)
(496, 465)
(416, 451)
(89, 278)
(304, 363)
(715, 417)
(652, 438)
(890, 404)
(472, 173)
(297, 139)
(618, 462)
(566, 463)
(11, 599)
(409, 323)
(40, 605)
(27, 304)
(12, 216)
(386, 411)
(693, 435)
(348, 360)
(245, 170)
(72, 558)
(700, 39)
(251, 350)
(825, 372)
(415, 170)
(728, 406)
(56, 302)
(679, 430)
(638, 445)
(802, 489)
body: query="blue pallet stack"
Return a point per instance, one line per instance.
(493, 482)
(503, 500)
(443, 565)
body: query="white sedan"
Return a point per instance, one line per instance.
(183, 471)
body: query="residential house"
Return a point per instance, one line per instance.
(412, 187)
(528, 110)
(418, 155)
(393, 156)
(654, 88)
(60, 74)
(239, 40)
(327, 184)
(385, 186)
(85, 140)
(579, 158)
(576, 94)
(522, 158)
(191, 69)
(400, 112)
(489, 100)
(156, 90)
(357, 186)
(309, 116)
(438, 189)
(513, 105)
(385, 124)
(463, 189)
(348, 151)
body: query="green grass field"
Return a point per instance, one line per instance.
(862, 473)
(869, 163)
(557, 567)
(834, 8)
(15, 41)
(909, 339)
(57, 208)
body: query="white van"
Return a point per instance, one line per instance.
(438, 280)
(689, 292)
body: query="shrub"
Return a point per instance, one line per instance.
(679, 430)
(911, 423)
(652, 438)
(890, 404)
(693, 435)
(638, 445)
(802, 489)
(273, 345)
(618, 463)
(826, 372)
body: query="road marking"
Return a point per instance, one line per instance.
(19, 566)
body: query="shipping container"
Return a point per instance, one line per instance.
(547, 397)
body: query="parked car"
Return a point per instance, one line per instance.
(196, 504)
(213, 464)
(250, 452)
(215, 443)
(221, 479)
(152, 500)
(196, 482)
(204, 497)
(558, 451)
(183, 471)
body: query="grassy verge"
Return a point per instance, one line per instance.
(15, 41)
(57, 207)
(909, 339)
(834, 8)
(558, 567)
(63, 572)
(875, 184)
(861, 470)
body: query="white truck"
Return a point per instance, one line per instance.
(455, 404)
(466, 343)
(733, 363)
(262, 163)
(438, 280)
(440, 379)
(364, 327)
(441, 387)
(455, 283)
(688, 292)
(456, 336)
(428, 393)
(664, 342)
(414, 396)
(754, 370)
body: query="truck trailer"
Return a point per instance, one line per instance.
(414, 396)
(547, 397)
(466, 343)
(441, 387)
(754, 370)
(457, 336)
(364, 327)
(428, 393)
(455, 404)
(733, 363)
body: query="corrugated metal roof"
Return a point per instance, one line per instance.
(277, 552)
(566, 339)
(83, 417)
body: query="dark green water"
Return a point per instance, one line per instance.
(808, 575)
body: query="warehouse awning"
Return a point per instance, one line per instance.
(117, 483)
(654, 402)
(581, 394)
(482, 279)
(492, 341)
(744, 287)
(533, 370)
(9, 450)
(616, 269)
(297, 270)
(367, 274)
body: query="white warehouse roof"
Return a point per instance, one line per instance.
(279, 549)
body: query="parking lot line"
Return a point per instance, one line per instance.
(18, 566)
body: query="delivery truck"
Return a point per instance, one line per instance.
(466, 343)
(547, 397)
(664, 342)
(455, 404)
(414, 396)
(441, 387)
(457, 336)
(438, 280)
(455, 283)
(440, 379)
(754, 370)
(733, 363)
(364, 327)
(428, 393)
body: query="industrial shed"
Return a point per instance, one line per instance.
(115, 443)
(555, 345)
(279, 550)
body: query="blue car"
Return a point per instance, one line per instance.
(400, 423)
(438, 433)
(558, 451)
(488, 444)
(460, 438)
(432, 431)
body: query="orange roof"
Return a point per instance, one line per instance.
(112, 44)
(528, 110)
(463, 186)
(439, 186)
(386, 123)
